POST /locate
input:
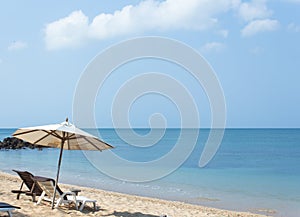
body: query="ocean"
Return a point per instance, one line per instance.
(256, 170)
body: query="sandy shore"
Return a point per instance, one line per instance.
(108, 204)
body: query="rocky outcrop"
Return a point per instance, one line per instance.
(14, 143)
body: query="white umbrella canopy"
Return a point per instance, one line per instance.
(64, 136)
(54, 134)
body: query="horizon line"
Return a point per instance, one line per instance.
(121, 128)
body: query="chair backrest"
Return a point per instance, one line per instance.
(27, 178)
(48, 185)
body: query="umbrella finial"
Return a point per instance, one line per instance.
(67, 120)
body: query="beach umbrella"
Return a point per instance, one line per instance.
(64, 136)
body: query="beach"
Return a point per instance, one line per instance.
(108, 204)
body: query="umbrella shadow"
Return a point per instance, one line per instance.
(88, 210)
(17, 213)
(71, 209)
(129, 214)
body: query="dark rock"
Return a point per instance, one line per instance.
(14, 143)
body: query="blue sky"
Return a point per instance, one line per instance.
(253, 46)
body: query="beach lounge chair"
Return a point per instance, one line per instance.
(5, 207)
(48, 186)
(33, 189)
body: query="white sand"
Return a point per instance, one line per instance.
(109, 204)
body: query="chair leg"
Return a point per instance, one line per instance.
(41, 197)
(76, 204)
(33, 197)
(32, 192)
(58, 202)
(9, 213)
(18, 195)
(82, 205)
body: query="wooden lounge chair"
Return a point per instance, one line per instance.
(33, 189)
(48, 186)
(5, 207)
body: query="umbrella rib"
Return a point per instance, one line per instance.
(48, 133)
(91, 143)
(41, 138)
(105, 143)
(21, 133)
(53, 132)
(70, 136)
(76, 137)
(84, 137)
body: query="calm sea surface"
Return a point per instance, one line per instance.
(255, 170)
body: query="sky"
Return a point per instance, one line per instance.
(253, 47)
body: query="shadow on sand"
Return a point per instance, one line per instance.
(15, 213)
(129, 214)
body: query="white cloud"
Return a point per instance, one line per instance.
(67, 32)
(257, 15)
(293, 27)
(154, 15)
(148, 15)
(17, 45)
(256, 9)
(213, 46)
(258, 26)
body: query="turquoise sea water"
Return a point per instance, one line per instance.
(255, 170)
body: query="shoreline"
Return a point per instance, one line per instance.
(109, 204)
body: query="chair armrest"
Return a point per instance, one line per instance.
(19, 191)
(68, 193)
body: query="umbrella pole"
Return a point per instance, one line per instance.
(58, 169)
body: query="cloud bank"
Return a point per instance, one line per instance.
(73, 30)
(153, 15)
